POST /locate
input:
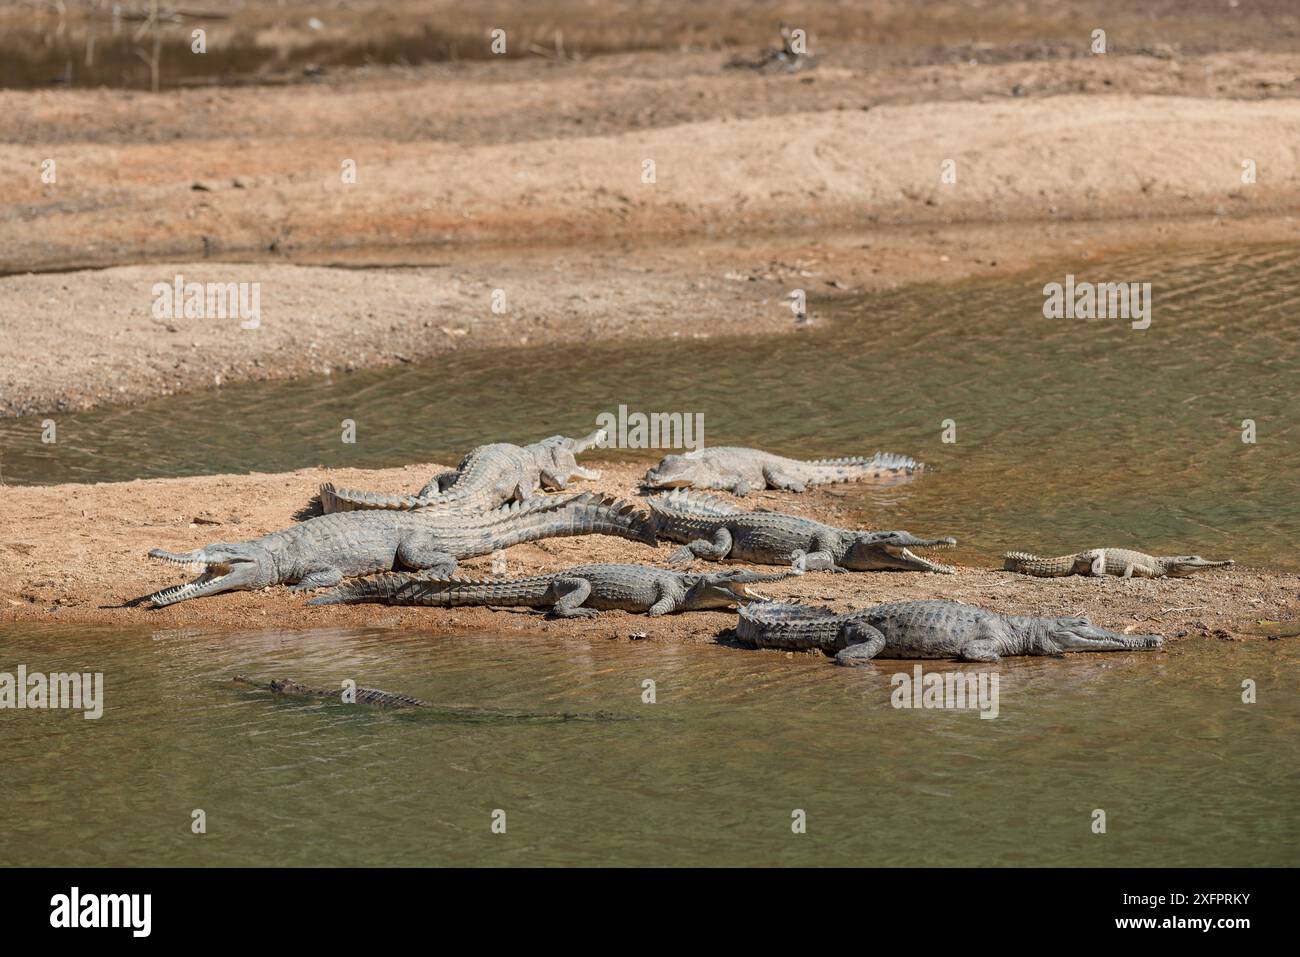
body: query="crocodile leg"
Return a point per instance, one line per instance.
(422, 553)
(439, 484)
(715, 550)
(820, 561)
(780, 480)
(324, 578)
(573, 592)
(864, 643)
(979, 649)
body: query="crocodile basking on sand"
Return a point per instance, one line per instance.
(925, 629)
(580, 592)
(740, 471)
(486, 478)
(322, 551)
(712, 529)
(1122, 562)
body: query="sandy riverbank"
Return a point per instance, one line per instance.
(75, 553)
(525, 175)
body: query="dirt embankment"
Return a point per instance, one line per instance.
(528, 175)
(75, 553)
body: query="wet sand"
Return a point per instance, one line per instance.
(75, 553)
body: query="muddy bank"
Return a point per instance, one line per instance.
(75, 553)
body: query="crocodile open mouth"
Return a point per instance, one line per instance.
(213, 577)
(925, 563)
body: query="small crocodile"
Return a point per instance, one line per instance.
(489, 476)
(583, 591)
(741, 471)
(712, 529)
(322, 551)
(926, 629)
(1122, 562)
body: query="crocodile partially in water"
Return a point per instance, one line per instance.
(1122, 562)
(713, 529)
(580, 592)
(932, 628)
(741, 470)
(322, 551)
(489, 476)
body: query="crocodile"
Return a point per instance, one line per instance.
(933, 628)
(387, 699)
(322, 551)
(1122, 562)
(713, 529)
(580, 592)
(489, 476)
(368, 696)
(741, 471)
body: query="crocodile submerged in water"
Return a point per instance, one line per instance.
(367, 696)
(925, 629)
(713, 529)
(740, 471)
(386, 699)
(580, 592)
(321, 552)
(486, 478)
(1122, 562)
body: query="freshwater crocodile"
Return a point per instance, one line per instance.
(368, 696)
(322, 551)
(487, 477)
(740, 471)
(713, 529)
(925, 629)
(1123, 562)
(387, 699)
(583, 591)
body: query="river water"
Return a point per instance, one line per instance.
(1068, 433)
(710, 773)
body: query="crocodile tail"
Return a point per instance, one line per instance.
(611, 515)
(847, 469)
(682, 503)
(377, 588)
(1013, 561)
(350, 500)
(589, 513)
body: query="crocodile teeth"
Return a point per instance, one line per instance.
(930, 566)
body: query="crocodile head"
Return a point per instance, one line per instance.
(678, 471)
(1180, 566)
(1079, 634)
(557, 458)
(892, 551)
(225, 567)
(724, 589)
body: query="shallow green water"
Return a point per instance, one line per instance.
(708, 775)
(1070, 433)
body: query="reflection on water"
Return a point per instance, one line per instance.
(1069, 433)
(709, 774)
